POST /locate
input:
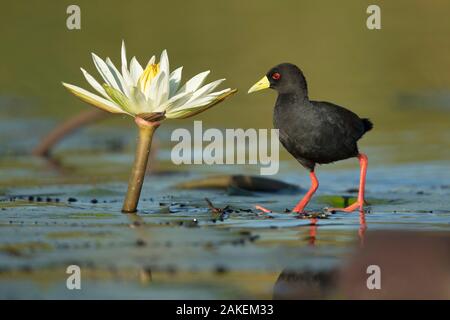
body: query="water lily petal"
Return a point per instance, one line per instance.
(151, 61)
(127, 78)
(105, 72)
(159, 91)
(218, 93)
(139, 100)
(192, 111)
(200, 101)
(135, 70)
(195, 82)
(175, 102)
(146, 78)
(164, 62)
(123, 56)
(121, 100)
(163, 86)
(118, 77)
(189, 112)
(203, 91)
(93, 99)
(125, 73)
(94, 84)
(148, 74)
(174, 81)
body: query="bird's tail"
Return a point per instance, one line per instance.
(368, 125)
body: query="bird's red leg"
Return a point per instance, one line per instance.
(359, 204)
(302, 204)
(299, 208)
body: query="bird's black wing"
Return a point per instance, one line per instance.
(335, 134)
(347, 123)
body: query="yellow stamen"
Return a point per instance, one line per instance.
(147, 76)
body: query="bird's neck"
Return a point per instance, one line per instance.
(293, 97)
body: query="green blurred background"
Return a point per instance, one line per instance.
(398, 76)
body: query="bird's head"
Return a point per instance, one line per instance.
(284, 78)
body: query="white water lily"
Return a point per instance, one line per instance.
(149, 95)
(146, 92)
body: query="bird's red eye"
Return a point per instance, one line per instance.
(276, 76)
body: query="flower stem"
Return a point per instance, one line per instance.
(67, 127)
(146, 130)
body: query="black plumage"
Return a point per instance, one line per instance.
(313, 131)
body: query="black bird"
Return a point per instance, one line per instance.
(314, 131)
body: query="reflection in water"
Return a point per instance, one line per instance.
(400, 257)
(361, 231)
(362, 227)
(309, 284)
(312, 232)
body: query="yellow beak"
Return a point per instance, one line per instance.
(260, 85)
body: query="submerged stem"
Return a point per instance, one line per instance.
(146, 130)
(67, 127)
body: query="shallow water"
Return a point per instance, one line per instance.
(176, 247)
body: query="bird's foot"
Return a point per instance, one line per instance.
(265, 210)
(357, 206)
(299, 212)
